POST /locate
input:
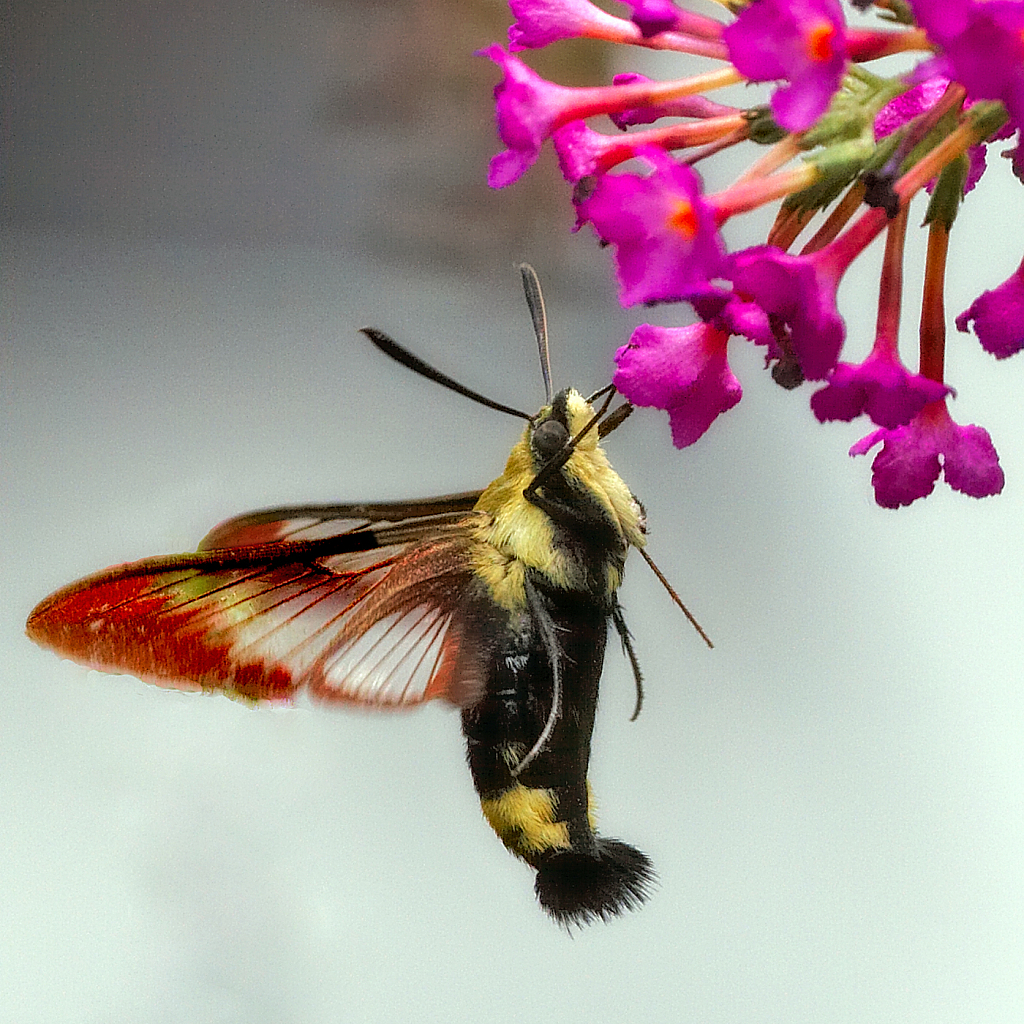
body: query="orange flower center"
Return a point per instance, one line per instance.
(684, 219)
(819, 41)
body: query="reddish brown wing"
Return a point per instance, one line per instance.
(361, 604)
(395, 522)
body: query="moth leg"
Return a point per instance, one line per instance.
(547, 634)
(627, 646)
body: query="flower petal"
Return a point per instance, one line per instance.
(683, 370)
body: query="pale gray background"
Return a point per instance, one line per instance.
(203, 203)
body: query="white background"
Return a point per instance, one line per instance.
(832, 798)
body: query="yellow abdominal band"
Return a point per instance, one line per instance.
(524, 820)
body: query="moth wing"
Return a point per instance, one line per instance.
(395, 522)
(347, 618)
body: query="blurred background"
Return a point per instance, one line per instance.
(202, 203)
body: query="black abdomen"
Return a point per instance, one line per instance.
(542, 814)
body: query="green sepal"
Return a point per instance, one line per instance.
(897, 12)
(949, 192)
(838, 166)
(764, 130)
(851, 114)
(987, 117)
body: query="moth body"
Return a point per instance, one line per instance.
(552, 566)
(497, 601)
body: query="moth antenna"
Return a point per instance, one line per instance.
(535, 300)
(675, 597)
(402, 355)
(547, 635)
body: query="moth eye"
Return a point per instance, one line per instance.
(549, 437)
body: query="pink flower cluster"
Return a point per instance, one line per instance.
(868, 144)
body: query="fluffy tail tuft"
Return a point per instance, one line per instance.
(580, 888)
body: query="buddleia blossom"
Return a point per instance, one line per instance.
(701, 108)
(683, 370)
(800, 42)
(799, 293)
(982, 46)
(842, 149)
(664, 233)
(913, 456)
(998, 317)
(916, 102)
(880, 387)
(537, 23)
(654, 16)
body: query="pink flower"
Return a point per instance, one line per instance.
(800, 292)
(654, 16)
(665, 235)
(528, 109)
(998, 316)
(941, 18)
(685, 106)
(683, 370)
(881, 386)
(912, 457)
(540, 22)
(916, 101)
(582, 152)
(800, 41)
(983, 45)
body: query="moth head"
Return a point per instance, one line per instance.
(557, 424)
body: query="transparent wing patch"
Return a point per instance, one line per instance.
(380, 626)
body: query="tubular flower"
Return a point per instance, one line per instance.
(664, 233)
(654, 16)
(998, 317)
(983, 46)
(800, 293)
(540, 22)
(583, 153)
(912, 457)
(840, 146)
(802, 42)
(529, 109)
(682, 370)
(699, 107)
(881, 386)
